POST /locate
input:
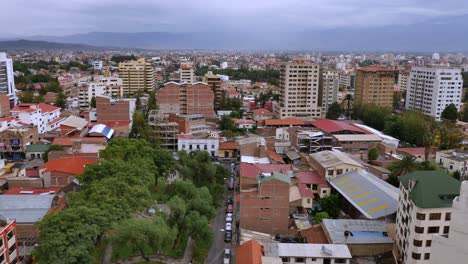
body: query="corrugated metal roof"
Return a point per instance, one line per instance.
(363, 231)
(373, 197)
(25, 208)
(102, 129)
(333, 158)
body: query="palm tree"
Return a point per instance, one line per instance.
(406, 165)
(428, 142)
(348, 99)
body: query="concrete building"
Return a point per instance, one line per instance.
(186, 72)
(7, 78)
(137, 76)
(115, 110)
(4, 105)
(329, 86)
(16, 139)
(299, 86)
(205, 142)
(214, 82)
(424, 210)
(330, 164)
(45, 117)
(9, 252)
(265, 207)
(97, 65)
(453, 161)
(60, 172)
(107, 86)
(403, 80)
(431, 90)
(289, 253)
(186, 99)
(374, 85)
(356, 143)
(166, 131)
(190, 124)
(451, 248)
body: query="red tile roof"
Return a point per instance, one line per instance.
(46, 108)
(66, 142)
(305, 192)
(412, 151)
(249, 170)
(94, 140)
(14, 190)
(284, 122)
(272, 155)
(314, 235)
(56, 120)
(333, 126)
(375, 68)
(249, 253)
(262, 111)
(228, 145)
(71, 165)
(309, 177)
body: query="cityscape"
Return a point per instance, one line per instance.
(236, 133)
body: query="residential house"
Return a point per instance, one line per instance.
(14, 140)
(60, 172)
(228, 150)
(330, 164)
(43, 116)
(36, 151)
(453, 161)
(206, 142)
(74, 126)
(335, 127)
(249, 253)
(356, 143)
(290, 253)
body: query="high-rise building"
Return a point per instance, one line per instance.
(299, 90)
(452, 248)
(115, 110)
(431, 90)
(187, 73)
(186, 99)
(7, 78)
(329, 85)
(137, 76)
(215, 84)
(403, 80)
(424, 211)
(374, 85)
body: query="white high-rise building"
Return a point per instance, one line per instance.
(299, 88)
(451, 248)
(436, 56)
(107, 86)
(223, 65)
(7, 78)
(97, 65)
(431, 90)
(187, 73)
(329, 86)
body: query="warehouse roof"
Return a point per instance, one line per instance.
(361, 231)
(25, 208)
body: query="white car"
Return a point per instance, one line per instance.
(229, 215)
(228, 226)
(227, 256)
(228, 219)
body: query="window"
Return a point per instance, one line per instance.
(433, 230)
(417, 243)
(1, 244)
(212, 146)
(339, 171)
(10, 234)
(285, 259)
(428, 243)
(427, 255)
(419, 230)
(416, 255)
(12, 248)
(420, 216)
(435, 216)
(2, 258)
(314, 186)
(448, 216)
(340, 260)
(308, 201)
(330, 173)
(299, 260)
(446, 229)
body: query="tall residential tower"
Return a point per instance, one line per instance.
(329, 85)
(7, 78)
(374, 85)
(137, 76)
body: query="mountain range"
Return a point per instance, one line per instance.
(23, 44)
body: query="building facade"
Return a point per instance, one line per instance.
(45, 117)
(214, 82)
(9, 252)
(424, 210)
(187, 72)
(137, 76)
(374, 85)
(329, 86)
(299, 87)
(14, 141)
(186, 99)
(115, 110)
(431, 90)
(7, 78)
(191, 143)
(403, 80)
(108, 86)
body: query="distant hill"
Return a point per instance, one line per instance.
(23, 44)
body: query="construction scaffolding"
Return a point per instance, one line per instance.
(164, 131)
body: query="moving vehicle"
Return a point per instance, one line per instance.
(227, 256)
(228, 227)
(228, 236)
(228, 219)
(229, 208)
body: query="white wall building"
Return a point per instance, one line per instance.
(424, 210)
(191, 143)
(453, 161)
(107, 86)
(431, 90)
(97, 65)
(7, 78)
(451, 248)
(329, 85)
(312, 253)
(45, 117)
(187, 73)
(223, 65)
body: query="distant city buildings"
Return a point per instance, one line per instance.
(299, 88)
(137, 76)
(187, 72)
(7, 78)
(431, 90)
(374, 85)
(329, 86)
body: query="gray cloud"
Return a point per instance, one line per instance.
(59, 17)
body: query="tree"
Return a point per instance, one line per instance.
(331, 205)
(348, 100)
(374, 116)
(226, 123)
(26, 97)
(151, 105)
(92, 103)
(318, 218)
(139, 128)
(334, 111)
(401, 167)
(456, 175)
(373, 154)
(450, 113)
(428, 141)
(61, 101)
(465, 112)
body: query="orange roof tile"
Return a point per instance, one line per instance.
(66, 142)
(284, 122)
(249, 253)
(262, 111)
(274, 156)
(314, 235)
(228, 145)
(71, 165)
(46, 108)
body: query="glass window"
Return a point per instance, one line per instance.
(448, 216)
(420, 216)
(416, 255)
(340, 260)
(446, 229)
(433, 230)
(419, 229)
(435, 216)
(300, 260)
(428, 243)
(330, 173)
(417, 243)
(427, 255)
(10, 234)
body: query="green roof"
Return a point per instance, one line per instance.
(37, 148)
(432, 189)
(275, 176)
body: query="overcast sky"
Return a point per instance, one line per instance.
(63, 17)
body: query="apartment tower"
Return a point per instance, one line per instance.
(215, 84)
(7, 79)
(374, 85)
(137, 76)
(431, 90)
(329, 86)
(299, 90)
(187, 72)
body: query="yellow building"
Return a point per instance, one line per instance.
(215, 84)
(136, 76)
(374, 85)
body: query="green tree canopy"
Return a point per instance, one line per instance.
(450, 113)
(373, 154)
(334, 111)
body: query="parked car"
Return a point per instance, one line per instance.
(229, 208)
(228, 236)
(228, 219)
(231, 183)
(227, 256)
(228, 227)
(230, 200)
